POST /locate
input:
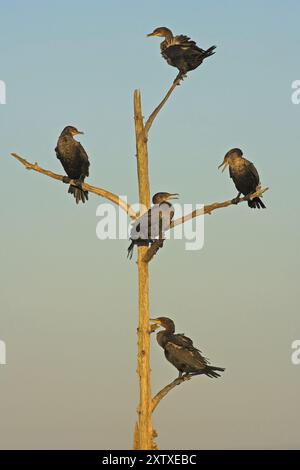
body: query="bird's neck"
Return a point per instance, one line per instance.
(165, 203)
(168, 36)
(67, 136)
(168, 39)
(237, 163)
(162, 338)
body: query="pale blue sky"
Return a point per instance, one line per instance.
(68, 301)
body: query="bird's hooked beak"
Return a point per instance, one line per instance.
(224, 165)
(153, 34)
(155, 324)
(172, 196)
(76, 132)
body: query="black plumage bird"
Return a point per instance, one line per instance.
(75, 161)
(154, 223)
(244, 175)
(180, 51)
(180, 351)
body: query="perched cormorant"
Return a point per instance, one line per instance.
(181, 52)
(180, 351)
(244, 175)
(154, 223)
(75, 161)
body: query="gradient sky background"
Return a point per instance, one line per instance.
(69, 301)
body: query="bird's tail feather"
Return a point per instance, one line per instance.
(79, 194)
(130, 250)
(211, 371)
(210, 51)
(256, 203)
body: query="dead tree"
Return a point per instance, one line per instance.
(144, 434)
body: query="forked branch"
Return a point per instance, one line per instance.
(152, 250)
(86, 187)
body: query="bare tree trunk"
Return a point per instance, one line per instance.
(143, 439)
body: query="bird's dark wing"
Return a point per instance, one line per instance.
(245, 177)
(182, 340)
(186, 342)
(57, 152)
(187, 43)
(84, 159)
(183, 40)
(253, 171)
(153, 223)
(159, 219)
(166, 214)
(140, 228)
(180, 355)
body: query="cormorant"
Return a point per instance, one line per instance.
(180, 351)
(154, 223)
(244, 175)
(181, 52)
(75, 161)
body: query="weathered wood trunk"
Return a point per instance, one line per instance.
(143, 431)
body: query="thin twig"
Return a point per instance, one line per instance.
(86, 187)
(160, 395)
(152, 116)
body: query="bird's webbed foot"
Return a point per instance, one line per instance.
(180, 77)
(236, 200)
(66, 179)
(160, 241)
(79, 181)
(185, 376)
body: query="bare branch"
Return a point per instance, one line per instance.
(160, 395)
(217, 205)
(152, 116)
(153, 249)
(86, 187)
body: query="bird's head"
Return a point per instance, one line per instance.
(229, 157)
(158, 198)
(161, 32)
(163, 322)
(71, 131)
